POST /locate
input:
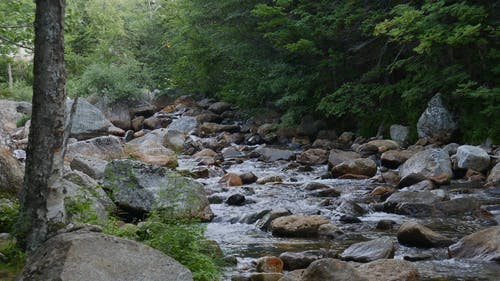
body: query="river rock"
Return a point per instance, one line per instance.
(185, 124)
(208, 128)
(236, 200)
(338, 156)
(301, 260)
(231, 179)
(11, 172)
(400, 134)
(88, 121)
(329, 230)
(297, 225)
(436, 122)
(150, 149)
(389, 270)
(265, 222)
(394, 158)
(412, 203)
(269, 264)
(105, 148)
(248, 178)
(384, 145)
(361, 166)
(174, 140)
(219, 107)
(472, 157)
(274, 154)
(482, 245)
(494, 176)
(331, 269)
(231, 152)
(314, 156)
(269, 179)
(416, 235)
(95, 256)
(141, 188)
(91, 166)
(116, 112)
(458, 206)
(381, 248)
(433, 164)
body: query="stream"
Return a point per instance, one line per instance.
(244, 242)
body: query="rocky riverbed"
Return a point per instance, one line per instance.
(302, 203)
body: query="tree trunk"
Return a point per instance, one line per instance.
(9, 73)
(42, 203)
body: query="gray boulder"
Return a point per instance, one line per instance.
(11, 172)
(494, 176)
(433, 164)
(389, 270)
(413, 203)
(10, 113)
(472, 157)
(274, 154)
(151, 149)
(361, 167)
(79, 256)
(436, 122)
(93, 167)
(400, 134)
(185, 124)
(105, 148)
(88, 121)
(331, 269)
(382, 248)
(141, 188)
(481, 245)
(338, 156)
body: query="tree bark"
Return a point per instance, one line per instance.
(42, 202)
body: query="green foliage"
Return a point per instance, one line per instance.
(15, 258)
(22, 121)
(20, 91)
(9, 211)
(79, 209)
(183, 241)
(16, 25)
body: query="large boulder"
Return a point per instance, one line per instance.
(331, 269)
(185, 124)
(436, 122)
(389, 270)
(481, 245)
(384, 145)
(432, 164)
(360, 167)
(338, 156)
(11, 112)
(400, 134)
(297, 225)
(274, 154)
(11, 172)
(88, 121)
(494, 176)
(219, 107)
(381, 248)
(151, 149)
(314, 156)
(117, 112)
(472, 157)
(140, 188)
(300, 260)
(394, 158)
(80, 255)
(91, 166)
(413, 203)
(414, 234)
(105, 148)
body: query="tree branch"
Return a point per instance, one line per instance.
(3, 38)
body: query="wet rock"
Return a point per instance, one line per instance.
(351, 208)
(254, 217)
(88, 121)
(361, 166)
(331, 269)
(337, 156)
(248, 178)
(295, 275)
(416, 235)
(97, 256)
(389, 270)
(385, 224)
(185, 124)
(494, 176)
(212, 128)
(412, 203)
(269, 264)
(270, 179)
(329, 230)
(274, 154)
(301, 260)
(150, 149)
(141, 188)
(394, 158)
(366, 149)
(231, 152)
(482, 245)
(381, 190)
(349, 219)
(11, 172)
(219, 107)
(236, 200)
(436, 122)
(315, 186)
(433, 164)
(297, 225)
(381, 248)
(93, 167)
(314, 156)
(265, 222)
(400, 134)
(384, 145)
(472, 157)
(458, 206)
(265, 276)
(329, 192)
(421, 186)
(105, 148)
(231, 179)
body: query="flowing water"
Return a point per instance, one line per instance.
(245, 242)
